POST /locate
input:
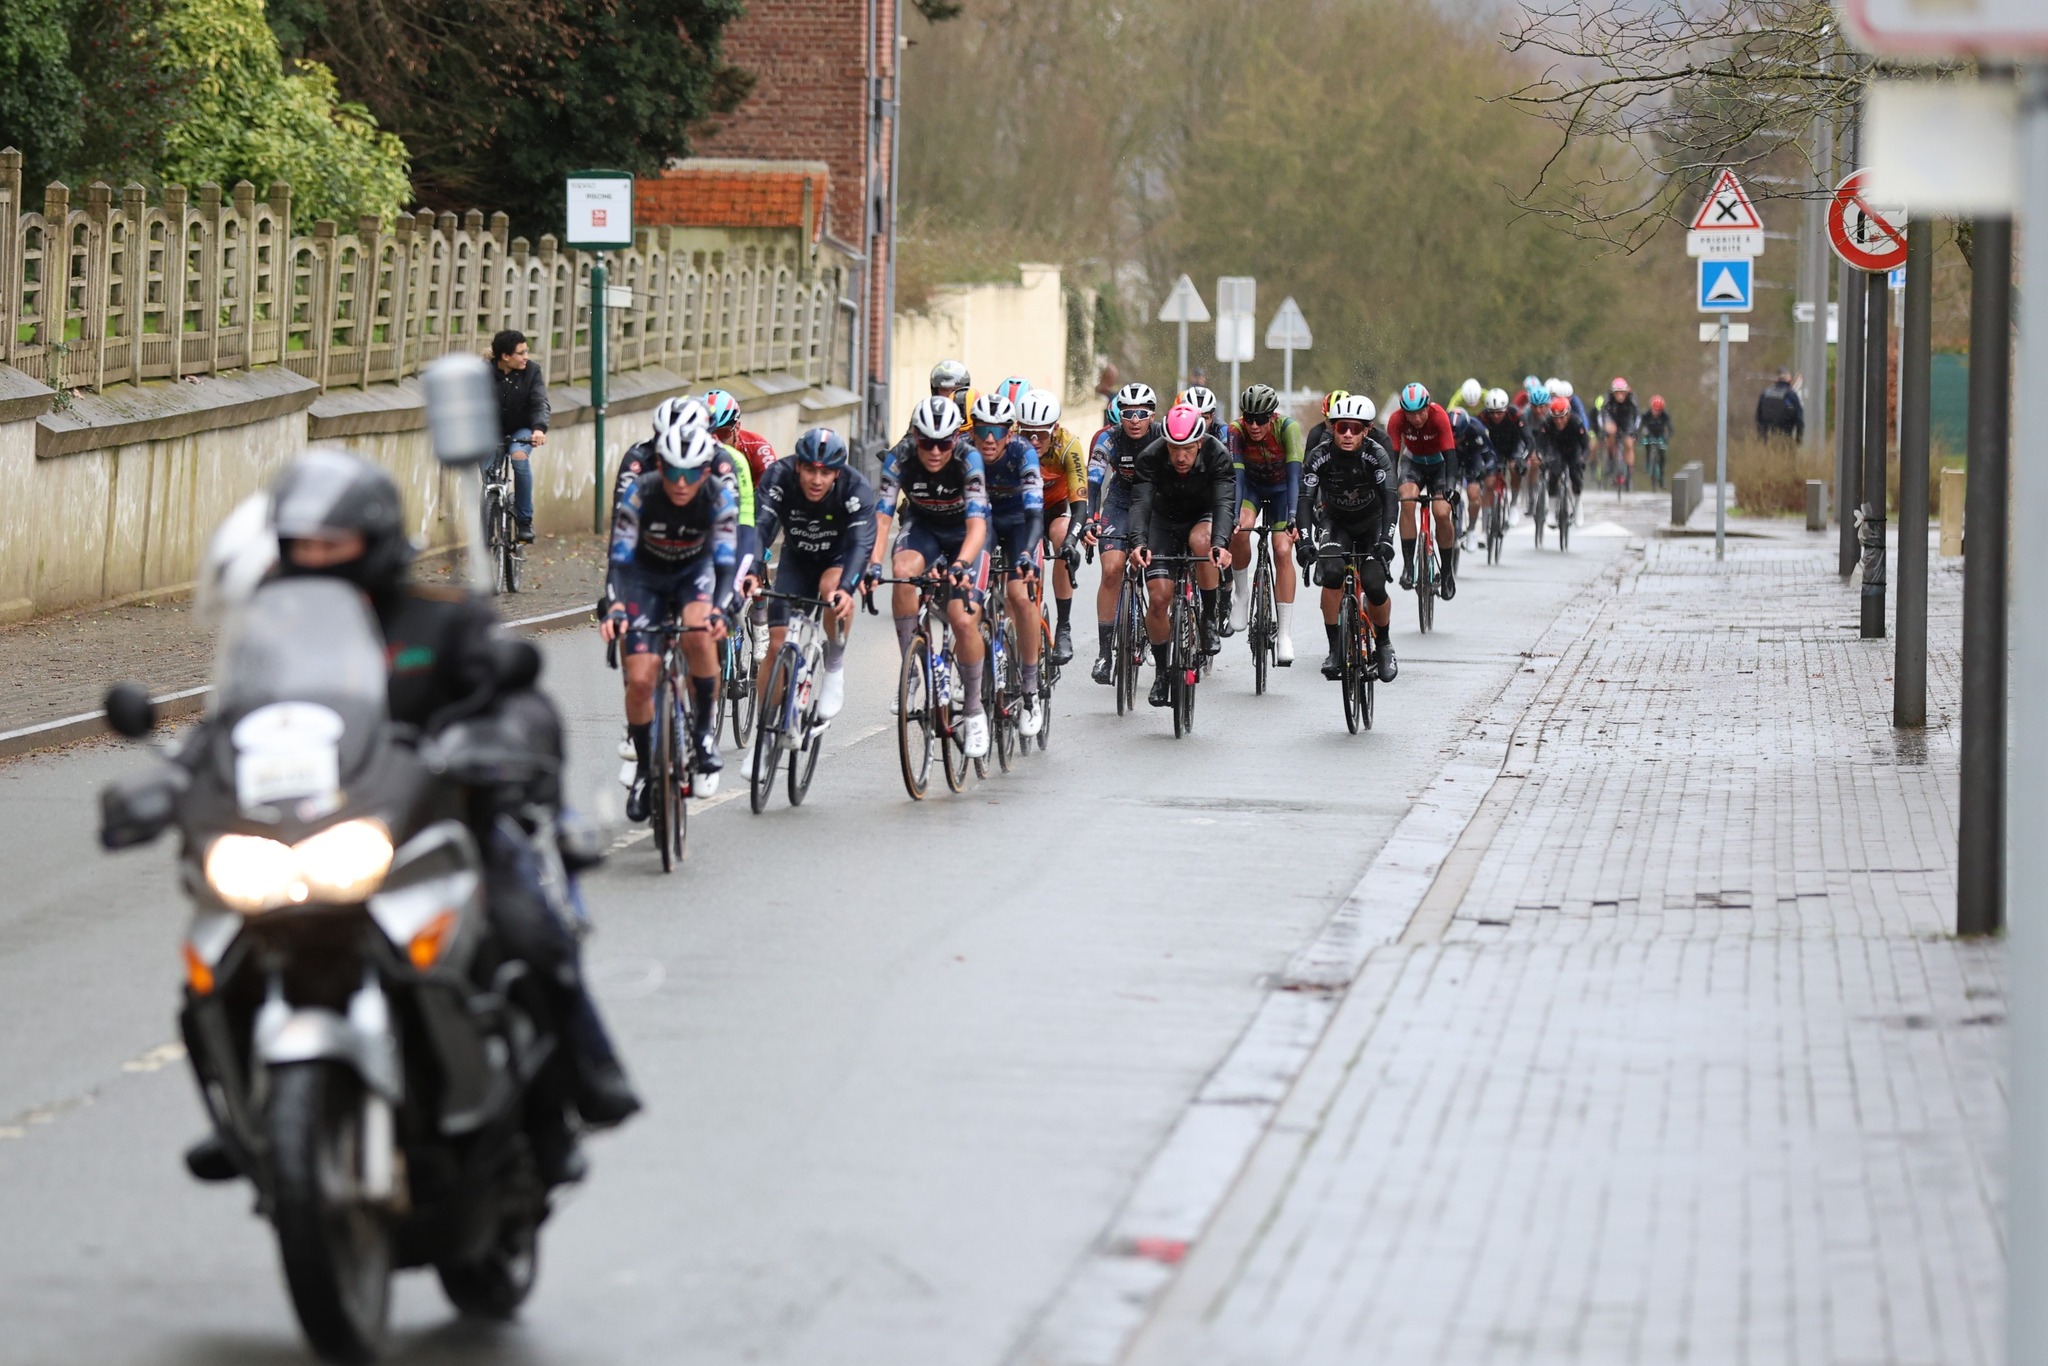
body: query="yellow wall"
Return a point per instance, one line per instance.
(997, 330)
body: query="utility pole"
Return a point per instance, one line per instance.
(1877, 318)
(1909, 676)
(1813, 264)
(1849, 409)
(1980, 852)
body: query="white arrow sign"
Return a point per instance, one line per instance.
(1289, 330)
(1184, 304)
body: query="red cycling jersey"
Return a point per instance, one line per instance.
(1427, 433)
(754, 446)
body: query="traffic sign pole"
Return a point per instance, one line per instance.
(1181, 375)
(1909, 678)
(1877, 316)
(1721, 453)
(597, 359)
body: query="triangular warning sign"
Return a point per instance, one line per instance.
(1727, 208)
(1725, 289)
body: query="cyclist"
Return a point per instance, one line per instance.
(523, 413)
(1063, 470)
(1016, 499)
(1112, 466)
(724, 412)
(1619, 419)
(1319, 435)
(1563, 389)
(1204, 401)
(1349, 504)
(1565, 443)
(1267, 447)
(1469, 396)
(1185, 488)
(674, 553)
(1477, 461)
(826, 511)
(1522, 396)
(1014, 388)
(1420, 436)
(1657, 431)
(1504, 431)
(943, 491)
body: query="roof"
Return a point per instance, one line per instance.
(706, 192)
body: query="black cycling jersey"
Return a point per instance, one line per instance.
(1568, 439)
(1657, 426)
(1623, 413)
(1506, 432)
(652, 533)
(1161, 493)
(943, 499)
(839, 528)
(1475, 442)
(1352, 489)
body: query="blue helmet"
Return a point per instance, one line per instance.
(1538, 395)
(821, 446)
(1414, 398)
(723, 407)
(1531, 383)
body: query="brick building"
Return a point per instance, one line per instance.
(825, 90)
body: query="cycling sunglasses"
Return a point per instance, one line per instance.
(984, 431)
(1260, 421)
(687, 478)
(1037, 434)
(1140, 413)
(925, 443)
(1348, 428)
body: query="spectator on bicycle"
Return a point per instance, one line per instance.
(1063, 471)
(1779, 411)
(1112, 469)
(1420, 435)
(1505, 432)
(522, 418)
(1267, 448)
(1016, 501)
(826, 512)
(1619, 419)
(1183, 500)
(674, 554)
(943, 491)
(1349, 508)
(724, 413)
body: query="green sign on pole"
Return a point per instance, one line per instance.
(600, 219)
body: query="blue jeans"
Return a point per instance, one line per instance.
(520, 444)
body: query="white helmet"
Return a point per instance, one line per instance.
(1561, 388)
(993, 410)
(686, 448)
(1137, 396)
(936, 418)
(1470, 393)
(681, 411)
(1353, 408)
(1040, 408)
(1496, 400)
(240, 555)
(1201, 400)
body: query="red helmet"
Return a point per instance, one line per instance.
(1656, 403)
(1560, 404)
(1183, 424)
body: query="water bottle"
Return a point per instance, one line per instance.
(942, 679)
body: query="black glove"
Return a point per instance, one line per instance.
(1384, 551)
(1304, 552)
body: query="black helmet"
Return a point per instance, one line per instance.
(950, 375)
(1259, 401)
(328, 490)
(821, 446)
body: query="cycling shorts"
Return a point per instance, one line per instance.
(651, 597)
(1269, 501)
(1338, 545)
(1165, 537)
(1008, 533)
(1434, 477)
(1116, 511)
(936, 547)
(798, 573)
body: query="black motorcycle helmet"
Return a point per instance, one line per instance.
(331, 490)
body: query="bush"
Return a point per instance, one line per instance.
(1770, 476)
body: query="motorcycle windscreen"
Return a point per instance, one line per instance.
(301, 683)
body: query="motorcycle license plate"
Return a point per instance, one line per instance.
(268, 776)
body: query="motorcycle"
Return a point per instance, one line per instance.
(369, 1056)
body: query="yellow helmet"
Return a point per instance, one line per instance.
(1330, 399)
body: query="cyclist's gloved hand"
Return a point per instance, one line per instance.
(1304, 551)
(1384, 551)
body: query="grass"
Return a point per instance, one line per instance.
(1770, 476)
(931, 252)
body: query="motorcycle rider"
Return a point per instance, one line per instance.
(334, 513)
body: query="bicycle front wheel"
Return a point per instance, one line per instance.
(1005, 694)
(1425, 587)
(768, 735)
(743, 674)
(915, 723)
(1130, 626)
(1048, 675)
(803, 761)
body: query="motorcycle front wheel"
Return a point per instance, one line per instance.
(335, 1245)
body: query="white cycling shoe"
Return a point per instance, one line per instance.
(629, 770)
(831, 694)
(974, 735)
(1029, 719)
(1240, 598)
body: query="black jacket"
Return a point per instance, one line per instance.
(522, 400)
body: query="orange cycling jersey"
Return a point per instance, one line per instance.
(1063, 466)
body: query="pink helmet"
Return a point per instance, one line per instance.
(1184, 424)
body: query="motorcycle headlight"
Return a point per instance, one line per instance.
(344, 863)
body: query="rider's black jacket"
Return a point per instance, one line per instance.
(838, 529)
(1567, 439)
(1355, 491)
(1506, 432)
(1163, 494)
(522, 400)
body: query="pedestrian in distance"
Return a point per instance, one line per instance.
(1779, 411)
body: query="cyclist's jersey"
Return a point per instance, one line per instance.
(1424, 437)
(838, 528)
(1016, 489)
(1164, 494)
(1354, 490)
(651, 532)
(1579, 412)
(1063, 469)
(1505, 431)
(756, 448)
(1272, 459)
(1623, 414)
(1470, 433)
(1657, 426)
(1568, 439)
(641, 458)
(1114, 452)
(945, 499)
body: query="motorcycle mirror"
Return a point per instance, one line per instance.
(462, 409)
(130, 711)
(139, 807)
(518, 665)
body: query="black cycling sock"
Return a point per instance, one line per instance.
(1065, 609)
(703, 692)
(1331, 629)
(641, 734)
(1106, 631)
(1382, 632)
(1208, 602)
(1159, 654)
(1407, 552)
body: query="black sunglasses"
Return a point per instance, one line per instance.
(925, 443)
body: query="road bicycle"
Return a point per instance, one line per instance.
(1129, 639)
(1428, 567)
(1002, 680)
(1354, 638)
(1186, 660)
(788, 723)
(501, 527)
(1654, 448)
(1566, 505)
(1496, 516)
(1262, 631)
(672, 745)
(929, 709)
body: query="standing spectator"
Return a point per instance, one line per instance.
(522, 418)
(1107, 382)
(1779, 411)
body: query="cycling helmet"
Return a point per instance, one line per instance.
(821, 446)
(1561, 388)
(1259, 401)
(331, 490)
(949, 374)
(686, 454)
(240, 555)
(1620, 386)
(1530, 382)
(1560, 405)
(1202, 400)
(1014, 388)
(1116, 411)
(723, 408)
(1038, 409)
(1656, 403)
(993, 410)
(1184, 425)
(1539, 397)
(1470, 393)
(1331, 399)
(683, 411)
(1353, 408)
(1135, 396)
(1414, 398)
(936, 418)
(1496, 400)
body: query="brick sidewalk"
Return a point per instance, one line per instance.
(1692, 1070)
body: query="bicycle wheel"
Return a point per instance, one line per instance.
(803, 760)
(1262, 617)
(1425, 585)
(682, 754)
(768, 735)
(743, 674)
(491, 540)
(1003, 694)
(1348, 661)
(915, 723)
(1048, 676)
(508, 549)
(661, 782)
(1130, 628)
(1567, 507)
